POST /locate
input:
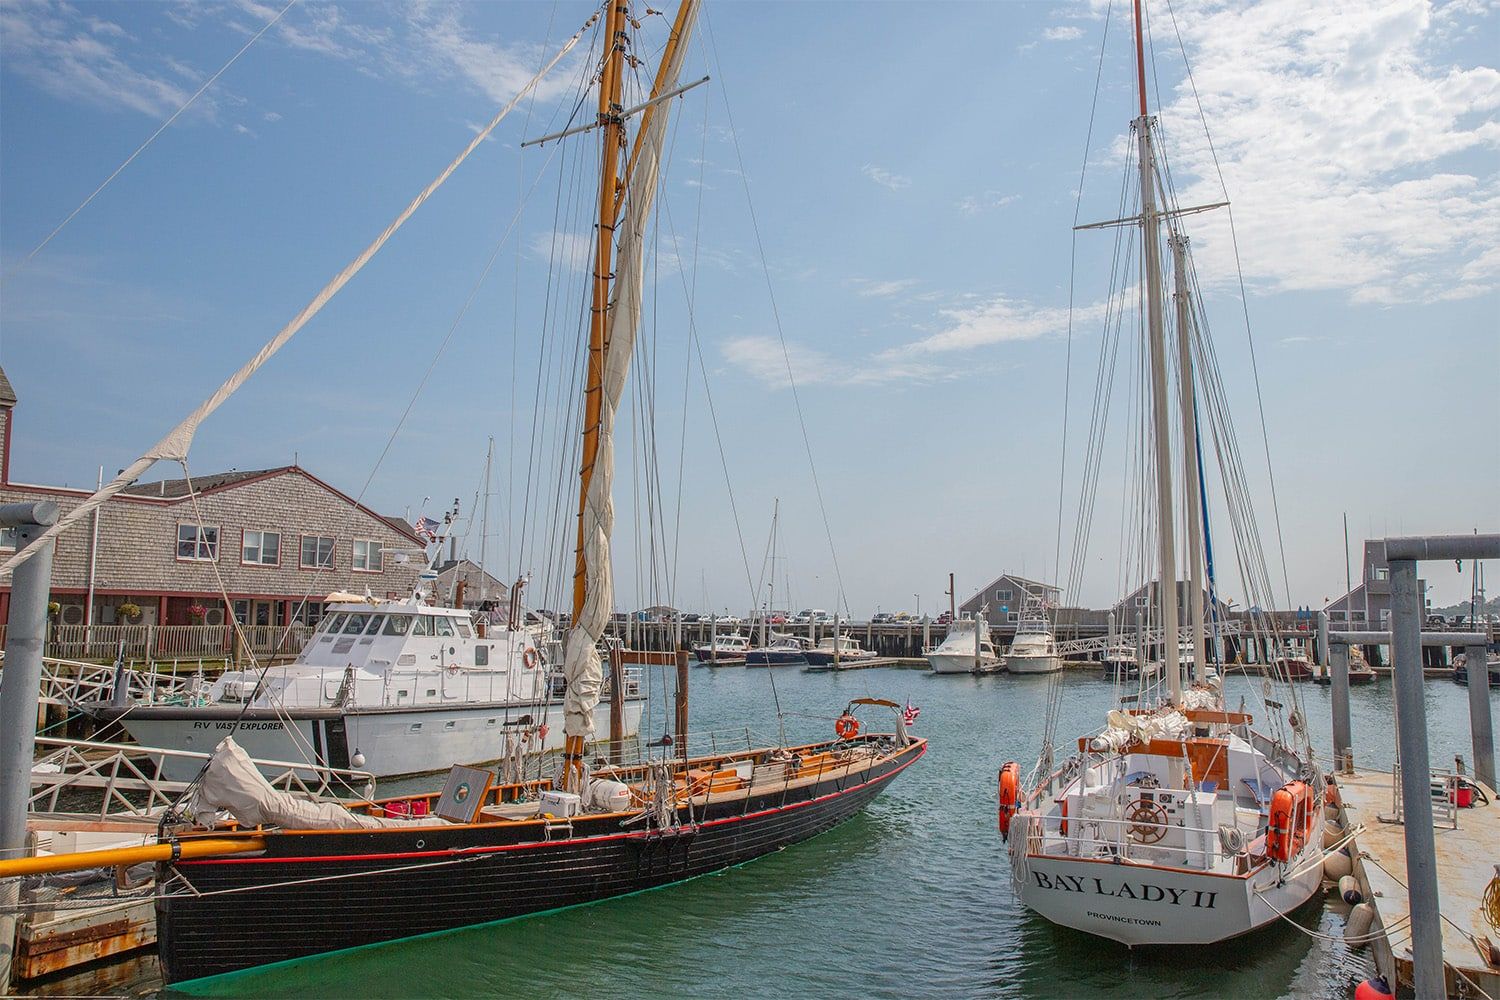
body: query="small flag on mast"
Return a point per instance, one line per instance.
(426, 528)
(910, 713)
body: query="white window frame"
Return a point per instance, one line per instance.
(9, 538)
(333, 549)
(361, 563)
(260, 546)
(199, 542)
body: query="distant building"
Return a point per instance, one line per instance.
(1005, 595)
(1368, 605)
(1146, 597)
(479, 587)
(277, 540)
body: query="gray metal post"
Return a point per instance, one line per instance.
(1343, 739)
(1322, 653)
(1479, 715)
(20, 684)
(1416, 792)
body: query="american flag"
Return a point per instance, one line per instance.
(426, 528)
(909, 713)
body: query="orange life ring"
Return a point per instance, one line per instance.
(1010, 795)
(452, 670)
(1290, 822)
(847, 727)
(531, 657)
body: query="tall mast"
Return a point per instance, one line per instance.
(1190, 471)
(1151, 256)
(611, 142)
(484, 524)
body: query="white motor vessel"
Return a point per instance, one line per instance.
(966, 649)
(389, 687)
(1034, 649)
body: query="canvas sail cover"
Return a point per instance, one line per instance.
(581, 664)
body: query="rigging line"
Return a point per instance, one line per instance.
(1088, 140)
(178, 440)
(775, 310)
(150, 139)
(1234, 242)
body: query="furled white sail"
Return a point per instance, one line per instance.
(581, 664)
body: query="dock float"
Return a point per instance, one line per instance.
(878, 661)
(1467, 856)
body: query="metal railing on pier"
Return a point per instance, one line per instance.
(109, 780)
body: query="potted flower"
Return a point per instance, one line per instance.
(197, 613)
(53, 609)
(131, 613)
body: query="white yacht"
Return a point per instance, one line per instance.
(841, 649)
(1034, 650)
(966, 649)
(389, 687)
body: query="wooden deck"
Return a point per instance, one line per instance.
(1466, 861)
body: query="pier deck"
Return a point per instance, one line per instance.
(1466, 860)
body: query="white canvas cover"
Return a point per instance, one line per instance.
(235, 785)
(581, 663)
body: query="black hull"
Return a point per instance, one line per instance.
(816, 658)
(393, 884)
(760, 658)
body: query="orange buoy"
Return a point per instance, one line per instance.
(1373, 989)
(1010, 795)
(847, 727)
(1290, 821)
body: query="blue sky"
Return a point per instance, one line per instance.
(913, 171)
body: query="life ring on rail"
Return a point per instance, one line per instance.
(452, 669)
(1010, 796)
(847, 727)
(531, 657)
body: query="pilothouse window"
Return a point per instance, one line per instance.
(444, 625)
(356, 624)
(333, 622)
(422, 626)
(375, 622)
(398, 624)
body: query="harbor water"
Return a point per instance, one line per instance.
(911, 898)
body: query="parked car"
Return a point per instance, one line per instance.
(884, 618)
(690, 618)
(728, 619)
(945, 618)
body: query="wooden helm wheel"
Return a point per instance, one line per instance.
(1146, 822)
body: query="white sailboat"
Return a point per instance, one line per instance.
(1176, 822)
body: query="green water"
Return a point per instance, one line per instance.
(911, 898)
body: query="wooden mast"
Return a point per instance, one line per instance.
(611, 184)
(611, 140)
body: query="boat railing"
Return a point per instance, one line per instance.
(705, 743)
(1147, 848)
(104, 780)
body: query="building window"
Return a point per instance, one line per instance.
(197, 542)
(1002, 595)
(1381, 573)
(8, 538)
(317, 552)
(260, 548)
(367, 556)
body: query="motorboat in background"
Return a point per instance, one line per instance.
(1034, 649)
(966, 649)
(723, 649)
(781, 651)
(843, 648)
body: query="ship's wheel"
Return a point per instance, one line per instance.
(1146, 822)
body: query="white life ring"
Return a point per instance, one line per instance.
(531, 658)
(453, 670)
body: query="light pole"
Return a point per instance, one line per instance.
(919, 604)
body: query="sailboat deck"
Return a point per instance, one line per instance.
(1466, 861)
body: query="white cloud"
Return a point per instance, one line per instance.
(443, 44)
(999, 320)
(872, 289)
(973, 204)
(243, 130)
(271, 116)
(884, 177)
(574, 251)
(80, 59)
(1357, 155)
(1063, 33)
(763, 359)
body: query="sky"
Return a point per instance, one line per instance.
(875, 199)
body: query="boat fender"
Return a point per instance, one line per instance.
(1332, 833)
(846, 726)
(531, 657)
(1357, 924)
(1010, 795)
(1373, 989)
(1338, 864)
(1349, 890)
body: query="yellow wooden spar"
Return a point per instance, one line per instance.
(197, 847)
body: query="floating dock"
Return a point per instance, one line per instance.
(1467, 858)
(877, 661)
